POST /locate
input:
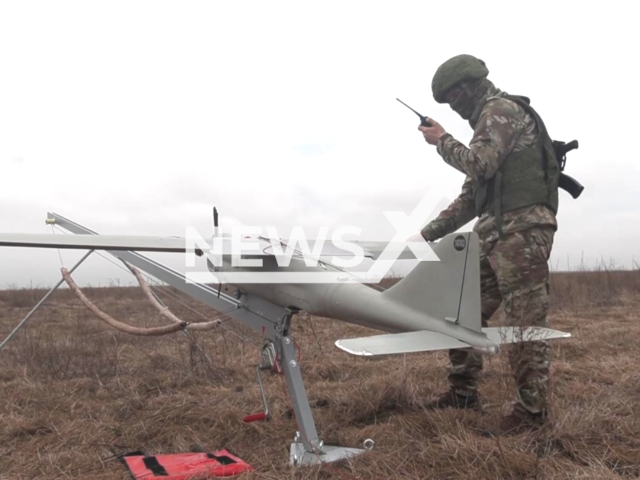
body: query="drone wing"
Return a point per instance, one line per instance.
(95, 242)
(144, 243)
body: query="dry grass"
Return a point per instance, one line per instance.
(72, 388)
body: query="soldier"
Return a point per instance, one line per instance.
(512, 186)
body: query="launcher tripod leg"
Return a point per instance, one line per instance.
(295, 386)
(44, 299)
(307, 448)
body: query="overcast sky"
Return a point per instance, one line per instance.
(136, 117)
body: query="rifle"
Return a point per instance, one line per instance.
(566, 182)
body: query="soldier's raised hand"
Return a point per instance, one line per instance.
(432, 134)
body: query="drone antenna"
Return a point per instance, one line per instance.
(215, 221)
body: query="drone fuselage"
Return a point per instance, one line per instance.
(349, 301)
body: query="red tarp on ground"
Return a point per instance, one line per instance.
(185, 466)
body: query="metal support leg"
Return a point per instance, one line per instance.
(307, 448)
(298, 396)
(44, 299)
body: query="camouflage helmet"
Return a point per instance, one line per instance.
(454, 71)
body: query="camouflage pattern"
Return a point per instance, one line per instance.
(501, 127)
(514, 269)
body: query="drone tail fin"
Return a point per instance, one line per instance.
(448, 289)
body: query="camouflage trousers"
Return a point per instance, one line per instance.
(513, 270)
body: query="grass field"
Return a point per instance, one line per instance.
(72, 388)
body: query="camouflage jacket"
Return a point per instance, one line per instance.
(500, 128)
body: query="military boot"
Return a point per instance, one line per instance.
(520, 421)
(450, 399)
